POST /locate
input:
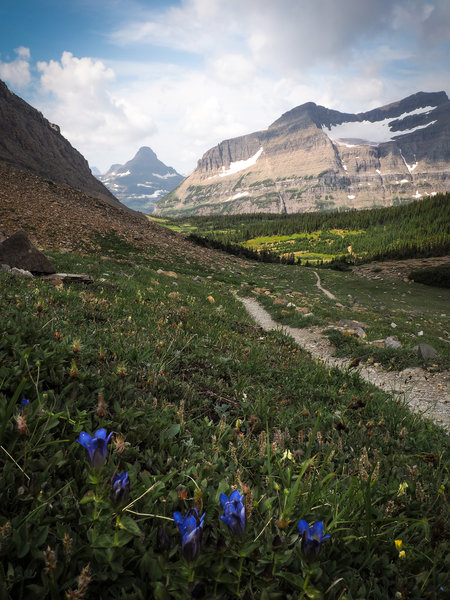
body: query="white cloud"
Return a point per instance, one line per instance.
(80, 99)
(241, 65)
(23, 52)
(17, 72)
(231, 69)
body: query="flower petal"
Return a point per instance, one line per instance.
(303, 526)
(84, 439)
(317, 531)
(100, 433)
(178, 518)
(235, 496)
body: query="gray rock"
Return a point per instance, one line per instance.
(426, 352)
(17, 251)
(392, 342)
(360, 332)
(22, 272)
(6, 268)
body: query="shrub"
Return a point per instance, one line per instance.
(437, 276)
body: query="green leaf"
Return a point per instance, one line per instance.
(128, 524)
(123, 537)
(23, 549)
(160, 592)
(172, 431)
(293, 579)
(40, 536)
(104, 540)
(89, 497)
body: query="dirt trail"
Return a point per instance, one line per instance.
(424, 393)
(323, 290)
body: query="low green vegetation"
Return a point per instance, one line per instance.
(201, 403)
(420, 228)
(411, 313)
(438, 276)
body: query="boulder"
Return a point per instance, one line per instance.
(426, 352)
(17, 251)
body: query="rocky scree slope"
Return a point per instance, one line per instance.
(313, 158)
(57, 216)
(141, 181)
(29, 141)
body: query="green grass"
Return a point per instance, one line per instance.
(202, 401)
(412, 307)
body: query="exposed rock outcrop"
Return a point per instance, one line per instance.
(313, 158)
(29, 141)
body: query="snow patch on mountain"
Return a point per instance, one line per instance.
(166, 176)
(372, 133)
(239, 195)
(240, 165)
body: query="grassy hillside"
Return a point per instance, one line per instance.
(417, 229)
(201, 402)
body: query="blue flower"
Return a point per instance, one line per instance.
(312, 537)
(191, 530)
(234, 510)
(23, 403)
(95, 446)
(120, 488)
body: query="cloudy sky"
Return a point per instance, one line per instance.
(182, 75)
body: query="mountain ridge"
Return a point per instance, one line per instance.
(29, 141)
(141, 181)
(314, 158)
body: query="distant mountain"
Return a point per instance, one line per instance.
(28, 141)
(141, 181)
(313, 158)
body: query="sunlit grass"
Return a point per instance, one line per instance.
(202, 402)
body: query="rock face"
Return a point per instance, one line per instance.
(29, 141)
(140, 182)
(17, 251)
(313, 158)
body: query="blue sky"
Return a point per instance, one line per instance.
(181, 76)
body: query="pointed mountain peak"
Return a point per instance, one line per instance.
(141, 181)
(145, 152)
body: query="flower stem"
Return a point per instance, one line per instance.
(241, 562)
